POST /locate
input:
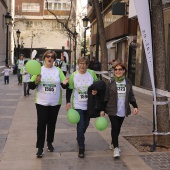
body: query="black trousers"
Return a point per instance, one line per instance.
(6, 79)
(116, 123)
(46, 117)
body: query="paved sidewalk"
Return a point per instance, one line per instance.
(18, 138)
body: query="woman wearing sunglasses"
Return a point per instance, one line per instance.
(118, 96)
(48, 100)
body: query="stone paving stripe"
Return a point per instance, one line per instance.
(11, 107)
(135, 163)
(6, 100)
(3, 132)
(5, 123)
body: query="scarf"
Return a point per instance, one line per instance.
(119, 79)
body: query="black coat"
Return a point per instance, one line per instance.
(95, 103)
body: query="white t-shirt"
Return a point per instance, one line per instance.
(121, 91)
(20, 63)
(64, 66)
(25, 75)
(48, 92)
(80, 83)
(6, 71)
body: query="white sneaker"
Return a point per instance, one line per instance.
(116, 153)
(111, 147)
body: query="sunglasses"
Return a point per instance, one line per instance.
(48, 56)
(118, 69)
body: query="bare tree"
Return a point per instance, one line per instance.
(65, 23)
(158, 35)
(102, 38)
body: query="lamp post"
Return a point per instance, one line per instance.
(85, 23)
(18, 36)
(8, 19)
(32, 38)
(75, 40)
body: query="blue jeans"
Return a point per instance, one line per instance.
(81, 127)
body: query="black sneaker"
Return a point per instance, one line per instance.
(50, 147)
(81, 153)
(39, 153)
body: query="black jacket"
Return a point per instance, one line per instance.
(95, 103)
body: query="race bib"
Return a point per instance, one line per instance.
(121, 89)
(49, 88)
(82, 96)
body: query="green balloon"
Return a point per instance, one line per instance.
(101, 123)
(73, 116)
(33, 67)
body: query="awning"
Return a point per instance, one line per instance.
(111, 43)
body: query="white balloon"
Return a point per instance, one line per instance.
(34, 52)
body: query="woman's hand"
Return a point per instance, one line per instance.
(66, 81)
(38, 79)
(68, 106)
(94, 92)
(135, 111)
(102, 113)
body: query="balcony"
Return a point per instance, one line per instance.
(120, 28)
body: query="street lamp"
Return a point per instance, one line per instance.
(18, 36)
(85, 23)
(75, 39)
(8, 19)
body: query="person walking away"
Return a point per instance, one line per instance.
(95, 65)
(77, 91)
(20, 64)
(48, 100)
(25, 79)
(119, 94)
(63, 64)
(6, 72)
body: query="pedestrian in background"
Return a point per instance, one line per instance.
(63, 64)
(25, 79)
(94, 64)
(118, 96)
(20, 64)
(6, 72)
(48, 100)
(77, 91)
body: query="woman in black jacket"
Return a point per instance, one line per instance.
(119, 95)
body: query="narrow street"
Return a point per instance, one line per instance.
(18, 138)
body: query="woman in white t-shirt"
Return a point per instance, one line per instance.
(63, 64)
(48, 100)
(119, 94)
(79, 82)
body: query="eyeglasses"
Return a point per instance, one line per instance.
(118, 69)
(48, 56)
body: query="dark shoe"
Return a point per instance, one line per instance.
(81, 153)
(39, 153)
(50, 147)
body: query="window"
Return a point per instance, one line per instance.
(30, 7)
(64, 5)
(57, 5)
